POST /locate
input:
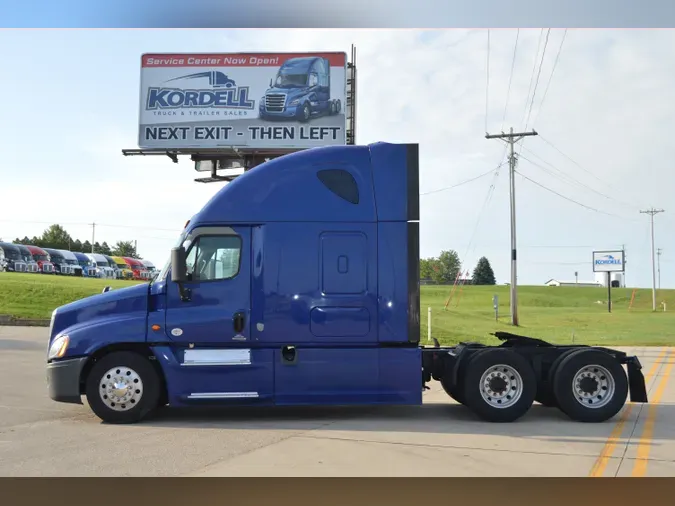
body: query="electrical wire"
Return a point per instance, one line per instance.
(487, 80)
(508, 92)
(555, 64)
(571, 200)
(534, 69)
(536, 83)
(464, 182)
(77, 224)
(573, 180)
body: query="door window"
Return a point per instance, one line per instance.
(215, 257)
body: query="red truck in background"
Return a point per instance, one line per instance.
(139, 270)
(42, 258)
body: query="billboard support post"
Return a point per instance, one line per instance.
(609, 262)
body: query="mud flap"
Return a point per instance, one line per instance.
(636, 381)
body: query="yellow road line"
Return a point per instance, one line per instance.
(640, 465)
(610, 445)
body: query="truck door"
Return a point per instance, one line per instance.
(322, 68)
(219, 296)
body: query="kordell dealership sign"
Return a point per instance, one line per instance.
(608, 261)
(272, 100)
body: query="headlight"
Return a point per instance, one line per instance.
(58, 347)
(295, 102)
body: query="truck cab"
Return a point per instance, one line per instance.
(150, 269)
(88, 267)
(59, 261)
(103, 269)
(31, 264)
(43, 260)
(137, 267)
(71, 260)
(298, 284)
(117, 273)
(13, 260)
(300, 91)
(123, 266)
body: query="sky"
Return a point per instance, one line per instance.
(605, 113)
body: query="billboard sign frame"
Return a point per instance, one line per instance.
(606, 261)
(191, 101)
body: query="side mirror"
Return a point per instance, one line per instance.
(270, 82)
(178, 267)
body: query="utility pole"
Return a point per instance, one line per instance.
(511, 139)
(93, 235)
(652, 212)
(658, 264)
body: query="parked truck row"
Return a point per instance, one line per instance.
(33, 259)
(298, 284)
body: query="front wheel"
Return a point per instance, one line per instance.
(123, 387)
(590, 386)
(499, 385)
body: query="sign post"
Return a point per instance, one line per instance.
(609, 261)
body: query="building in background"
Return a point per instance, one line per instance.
(556, 282)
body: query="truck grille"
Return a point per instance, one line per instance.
(19, 267)
(32, 268)
(65, 269)
(47, 268)
(275, 102)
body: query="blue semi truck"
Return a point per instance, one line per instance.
(300, 91)
(298, 284)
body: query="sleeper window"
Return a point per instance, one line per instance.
(214, 257)
(341, 183)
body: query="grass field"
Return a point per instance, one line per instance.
(558, 314)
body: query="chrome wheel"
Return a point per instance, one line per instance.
(121, 388)
(593, 386)
(501, 386)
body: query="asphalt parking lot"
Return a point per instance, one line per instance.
(39, 437)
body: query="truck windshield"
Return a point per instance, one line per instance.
(71, 262)
(40, 258)
(102, 264)
(122, 266)
(291, 80)
(12, 254)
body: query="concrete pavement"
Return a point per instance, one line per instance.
(41, 438)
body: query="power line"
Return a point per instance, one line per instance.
(555, 64)
(508, 92)
(534, 69)
(536, 83)
(574, 180)
(571, 200)
(463, 182)
(487, 80)
(82, 224)
(575, 162)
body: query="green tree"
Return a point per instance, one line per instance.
(105, 249)
(483, 273)
(426, 268)
(55, 237)
(86, 247)
(445, 268)
(125, 249)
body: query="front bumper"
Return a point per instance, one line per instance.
(63, 380)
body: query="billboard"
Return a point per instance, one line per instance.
(245, 100)
(608, 261)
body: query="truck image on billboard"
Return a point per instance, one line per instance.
(251, 100)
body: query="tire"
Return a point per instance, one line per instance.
(513, 381)
(453, 392)
(134, 370)
(306, 114)
(545, 395)
(601, 371)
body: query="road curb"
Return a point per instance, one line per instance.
(11, 321)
